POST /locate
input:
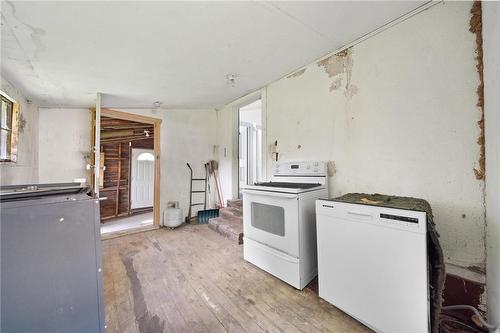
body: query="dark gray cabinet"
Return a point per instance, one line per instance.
(51, 277)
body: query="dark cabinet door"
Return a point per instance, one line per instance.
(50, 261)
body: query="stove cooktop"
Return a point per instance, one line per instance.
(304, 186)
(9, 192)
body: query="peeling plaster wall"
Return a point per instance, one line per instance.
(187, 136)
(397, 114)
(491, 48)
(25, 170)
(64, 142)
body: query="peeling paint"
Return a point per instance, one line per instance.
(476, 27)
(335, 64)
(348, 64)
(336, 84)
(22, 123)
(338, 65)
(332, 169)
(350, 91)
(296, 74)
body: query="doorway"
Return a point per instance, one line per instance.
(129, 173)
(250, 144)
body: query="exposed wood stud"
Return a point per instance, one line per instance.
(117, 202)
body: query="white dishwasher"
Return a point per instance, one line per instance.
(372, 264)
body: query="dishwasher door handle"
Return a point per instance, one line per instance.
(360, 214)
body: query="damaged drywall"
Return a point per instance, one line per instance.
(337, 66)
(476, 27)
(22, 122)
(296, 74)
(463, 291)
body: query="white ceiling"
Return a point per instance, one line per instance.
(135, 53)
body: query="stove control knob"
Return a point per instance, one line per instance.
(315, 164)
(308, 167)
(316, 170)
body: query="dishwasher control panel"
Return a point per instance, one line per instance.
(399, 218)
(412, 221)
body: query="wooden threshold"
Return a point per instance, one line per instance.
(130, 231)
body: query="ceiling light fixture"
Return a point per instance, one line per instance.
(156, 107)
(231, 79)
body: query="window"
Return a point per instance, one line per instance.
(268, 218)
(146, 157)
(8, 128)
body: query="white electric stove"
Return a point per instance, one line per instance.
(279, 224)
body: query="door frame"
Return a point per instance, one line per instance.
(156, 122)
(253, 97)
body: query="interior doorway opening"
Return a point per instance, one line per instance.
(250, 139)
(127, 175)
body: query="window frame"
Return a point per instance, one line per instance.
(14, 130)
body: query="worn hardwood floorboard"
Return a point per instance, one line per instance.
(193, 280)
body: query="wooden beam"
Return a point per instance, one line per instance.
(105, 127)
(116, 134)
(129, 176)
(97, 144)
(129, 116)
(125, 139)
(117, 202)
(156, 195)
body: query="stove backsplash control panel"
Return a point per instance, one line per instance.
(300, 168)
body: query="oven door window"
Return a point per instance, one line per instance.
(268, 218)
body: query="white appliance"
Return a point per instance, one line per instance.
(372, 264)
(172, 216)
(279, 224)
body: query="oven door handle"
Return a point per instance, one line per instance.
(272, 194)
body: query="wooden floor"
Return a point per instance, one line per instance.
(191, 279)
